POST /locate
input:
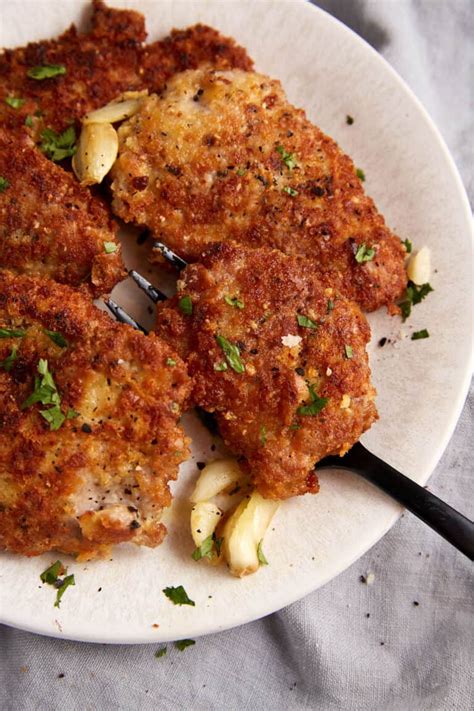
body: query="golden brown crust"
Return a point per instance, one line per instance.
(211, 150)
(102, 477)
(103, 62)
(258, 411)
(100, 64)
(50, 225)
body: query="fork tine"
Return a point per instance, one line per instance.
(152, 292)
(123, 316)
(170, 256)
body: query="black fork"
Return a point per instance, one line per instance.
(442, 518)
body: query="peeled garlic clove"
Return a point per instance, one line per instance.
(204, 518)
(419, 267)
(113, 112)
(214, 478)
(244, 531)
(96, 152)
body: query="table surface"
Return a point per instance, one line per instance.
(402, 642)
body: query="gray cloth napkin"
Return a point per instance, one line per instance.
(402, 643)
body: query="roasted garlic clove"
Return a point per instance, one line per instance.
(97, 150)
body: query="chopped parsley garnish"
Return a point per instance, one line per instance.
(183, 643)
(204, 550)
(58, 146)
(161, 652)
(14, 102)
(287, 158)
(7, 363)
(364, 254)
(46, 71)
(56, 337)
(305, 321)
(29, 121)
(263, 435)
(413, 295)
(408, 245)
(295, 426)
(110, 247)
(420, 334)
(178, 596)
(51, 574)
(291, 191)
(349, 120)
(70, 414)
(68, 580)
(218, 542)
(4, 184)
(241, 171)
(360, 174)
(171, 362)
(231, 353)
(316, 405)
(46, 392)
(260, 554)
(330, 306)
(185, 305)
(348, 351)
(234, 301)
(12, 333)
(220, 366)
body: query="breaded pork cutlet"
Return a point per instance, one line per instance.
(89, 433)
(277, 357)
(99, 64)
(224, 156)
(50, 225)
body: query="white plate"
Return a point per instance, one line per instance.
(422, 384)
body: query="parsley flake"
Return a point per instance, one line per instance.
(57, 338)
(7, 363)
(4, 184)
(360, 174)
(263, 435)
(232, 354)
(70, 414)
(161, 652)
(171, 362)
(348, 352)
(316, 405)
(29, 121)
(287, 158)
(110, 247)
(364, 254)
(420, 334)
(178, 596)
(68, 580)
(241, 172)
(46, 71)
(260, 554)
(12, 333)
(413, 295)
(51, 574)
(46, 392)
(220, 366)
(183, 643)
(305, 321)
(185, 305)
(204, 550)
(291, 191)
(330, 306)
(408, 245)
(58, 146)
(14, 102)
(234, 301)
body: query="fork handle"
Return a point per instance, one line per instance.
(442, 518)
